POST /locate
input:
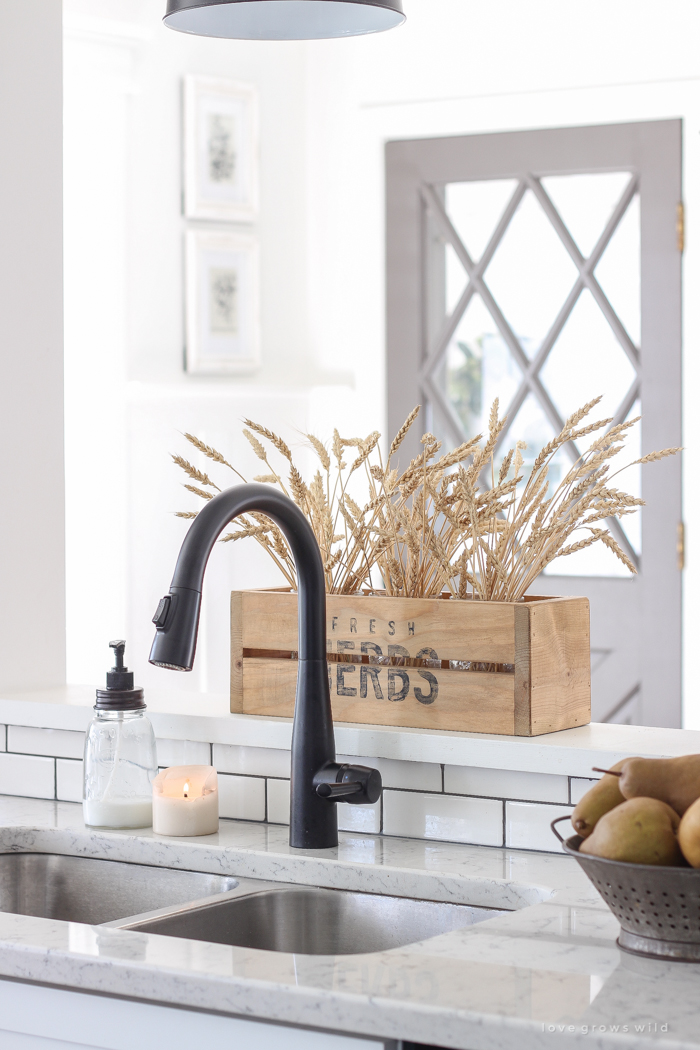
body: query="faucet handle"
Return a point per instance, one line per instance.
(339, 790)
(358, 785)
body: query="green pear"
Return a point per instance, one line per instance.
(689, 834)
(639, 831)
(672, 780)
(601, 798)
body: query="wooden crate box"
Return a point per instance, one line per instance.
(410, 661)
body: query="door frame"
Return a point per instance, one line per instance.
(653, 151)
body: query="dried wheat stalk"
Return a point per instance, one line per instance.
(436, 527)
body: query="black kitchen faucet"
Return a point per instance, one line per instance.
(318, 781)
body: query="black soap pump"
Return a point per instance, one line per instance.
(120, 753)
(119, 695)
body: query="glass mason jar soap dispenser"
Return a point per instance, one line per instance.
(120, 754)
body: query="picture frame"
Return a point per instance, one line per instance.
(221, 302)
(221, 145)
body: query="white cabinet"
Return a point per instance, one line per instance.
(33, 1017)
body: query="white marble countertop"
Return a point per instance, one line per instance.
(206, 717)
(546, 975)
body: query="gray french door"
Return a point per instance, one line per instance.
(544, 267)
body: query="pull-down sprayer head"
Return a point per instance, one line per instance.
(177, 615)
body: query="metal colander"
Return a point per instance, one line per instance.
(658, 908)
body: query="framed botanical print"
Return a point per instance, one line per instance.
(222, 293)
(220, 149)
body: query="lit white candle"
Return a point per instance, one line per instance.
(186, 801)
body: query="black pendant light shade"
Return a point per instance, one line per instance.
(283, 19)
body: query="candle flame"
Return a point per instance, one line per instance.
(186, 787)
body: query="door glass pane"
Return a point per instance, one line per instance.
(598, 560)
(475, 209)
(531, 274)
(619, 271)
(479, 368)
(586, 361)
(585, 203)
(456, 279)
(531, 425)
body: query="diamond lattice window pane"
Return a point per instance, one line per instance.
(585, 203)
(531, 274)
(619, 271)
(531, 425)
(456, 279)
(586, 361)
(475, 209)
(478, 368)
(596, 560)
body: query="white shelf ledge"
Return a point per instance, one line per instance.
(205, 716)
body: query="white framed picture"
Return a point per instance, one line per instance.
(221, 302)
(221, 149)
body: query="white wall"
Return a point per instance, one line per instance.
(32, 611)
(128, 399)
(328, 107)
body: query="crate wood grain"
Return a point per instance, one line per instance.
(392, 661)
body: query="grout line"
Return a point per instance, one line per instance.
(248, 820)
(246, 776)
(504, 821)
(486, 798)
(265, 819)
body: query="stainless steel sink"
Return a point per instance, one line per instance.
(250, 913)
(312, 921)
(82, 889)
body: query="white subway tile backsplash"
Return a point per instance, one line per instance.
(444, 817)
(59, 743)
(506, 783)
(69, 780)
(27, 775)
(252, 761)
(579, 787)
(241, 798)
(527, 826)
(360, 818)
(183, 753)
(414, 776)
(278, 801)
(254, 785)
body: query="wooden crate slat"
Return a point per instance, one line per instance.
(455, 630)
(481, 704)
(269, 620)
(561, 664)
(237, 652)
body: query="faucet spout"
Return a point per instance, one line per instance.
(313, 815)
